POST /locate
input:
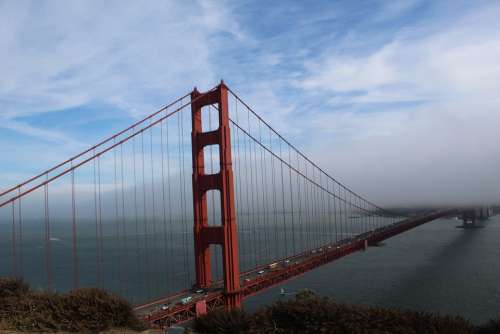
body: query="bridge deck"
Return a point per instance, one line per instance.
(175, 311)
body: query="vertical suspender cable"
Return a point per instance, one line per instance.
(307, 207)
(248, 185)
(48, 267)
(365, 216)
(329, 212)
(145, 218)
(183, 196)
(324, 219)
(239, 193)
(96, 218)
(153, 214)
(292, 209)
(285, 232)
(264, 209)
(76, 273)
(251, 185)
(355, 217)
(170, 215)
(361, 215)
(13, 236)
(276, 239)
(318, 208)
(351, 214)
(257, 209)
(299, 195)
(119, 262)
(136, 215)
(314, 208)
(125, 273)
(100, 284)
(335, 219)
(347, 227)
(339, 207)
(20, 219)
(166, 262)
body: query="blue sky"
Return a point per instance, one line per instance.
(393, 95)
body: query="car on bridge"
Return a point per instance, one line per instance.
(186, 300)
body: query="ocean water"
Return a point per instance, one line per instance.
(435, 267)
(150, 258)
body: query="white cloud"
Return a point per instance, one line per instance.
(342, 73)
(139, 56)
(134, 57)
(394, 9)
(55, 56)
(441, 150)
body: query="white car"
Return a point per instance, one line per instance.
(186, 300)
(164, 307)
(260, 272)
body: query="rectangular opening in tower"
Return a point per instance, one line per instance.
(213, 208)
(209, 118)
(211, 159)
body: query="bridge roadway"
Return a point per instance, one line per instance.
(165, 312)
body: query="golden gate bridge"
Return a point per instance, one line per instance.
(197, 206)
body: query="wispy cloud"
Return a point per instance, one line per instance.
(402, 95)
(56, 57)
(437, 109)
(134, 58)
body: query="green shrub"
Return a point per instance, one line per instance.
(96, 310)
(491, 327)
(82, 310)
(308, 313)
(222, 322)
(36, 312)
(13, 287)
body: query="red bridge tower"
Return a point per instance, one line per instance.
(225, 234)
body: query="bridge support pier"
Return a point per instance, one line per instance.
(469, 219)
(225, 234)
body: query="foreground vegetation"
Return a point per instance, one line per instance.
(93, 311)
(308, 313)
(81, 310)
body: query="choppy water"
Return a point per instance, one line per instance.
(435, 267)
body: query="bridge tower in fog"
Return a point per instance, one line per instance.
(471, 216)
